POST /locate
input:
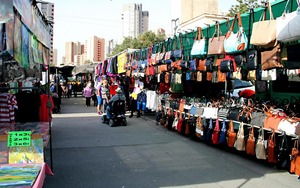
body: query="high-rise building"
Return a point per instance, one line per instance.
(54, 57)
(69, 53)
(95, 49)
(135, 21)
(47, 9)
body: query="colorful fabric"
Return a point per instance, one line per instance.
(122, 60)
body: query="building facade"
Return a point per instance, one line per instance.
(135, 21)
(95, 49)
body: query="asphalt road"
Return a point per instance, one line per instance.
(87, 153)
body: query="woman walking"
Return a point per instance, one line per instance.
(87, 93)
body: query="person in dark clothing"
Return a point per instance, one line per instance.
(119, 96)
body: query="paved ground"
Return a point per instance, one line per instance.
(90, 154)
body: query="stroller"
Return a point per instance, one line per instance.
(117, 111)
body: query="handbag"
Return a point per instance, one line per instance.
(236, 42)
(222, 139)
(240, 140)
(210, 112)
(209, 131)
(199, 46)
(180, 125)
(251, 59)
(223, 113)
(199, 76)
(288, 126)
(250, 146)
(163, 68)
(239, 60)
(260, 150)
(258, 118)
(201, 65)
(175, 122)
(226, 66)
(269, 74)
(288, 25)
(251, 75)
(209, 64)
(216, 43)
(283, 161)
(199, 127)
(177, 54)
(297, 131)
(192, 65)
(271, 58)
(271, 153)
(264, 31)
(272, 120)
(216, 133)
(181, 105)
(295, 159)
(293, 75)
(293, 60)
(231, 135)
(234, 113)
(237, 74)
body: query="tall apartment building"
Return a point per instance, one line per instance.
(47, 10)
(95, 49)
(71, 50)
(198, 13)
(135, 21)
(54, 59)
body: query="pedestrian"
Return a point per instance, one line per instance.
(105, 95)
(87, 93)
(75, 89)
(70, 90)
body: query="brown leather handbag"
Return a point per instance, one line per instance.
(271, 59)
(163, 68)
(201, 65)
(250, 145)
(271, 153)
(209, 76)
(295, 159)
(216, 43)
(181, 105)
(231, 135)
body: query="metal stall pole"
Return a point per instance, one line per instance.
(50, 119)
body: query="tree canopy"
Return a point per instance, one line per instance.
(243, 6)
(142, 41)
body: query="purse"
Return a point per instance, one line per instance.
(209, 131)
(264, 31)
(223, 113)
(175, 123)
(295, 159)
(236, 42)
(272, 120)
(250, 146)
(288, 25)
(251, 59)
(271, 58)
(237, 75)
(199, 127)
(297, 131)
(260, 150)
(239, 60)
(222, 139)
(192, 65)
(199, 46)
(271, 153)
(251, 75)
(234, 113)
(180, 125)
(240, 140)
(216, 43)
(210, 112)
(201, 65)
(258, 118)
(231, 135)
(209, 76)
(199, 76)
(209, 64)
(283, 154)
(181, 105)
(288, 126)
(269, 75)
(216, 133)
(226, 66)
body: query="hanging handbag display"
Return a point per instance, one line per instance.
(250, 145)
(236, 42)
(237, 75)
(264, 31)
(271, 153)
(295, 159)
(251, 59)
(222, 139)
(216, 43)
(199, 46)
(231, 135)
(288, 25)
(216, 133)
(271, 58)
(260, 150)
(209, 64)
(201, 65)
(240, 140)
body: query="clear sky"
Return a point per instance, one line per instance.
(77, 20)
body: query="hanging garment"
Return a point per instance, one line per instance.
(8, 104)
(2, 37)
(44, 109)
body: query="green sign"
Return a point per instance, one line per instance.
(19, 138)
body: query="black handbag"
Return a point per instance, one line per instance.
(239, 60)
(283, 158)
(234, 113)
(293, 61)
(226, 66)
(251, 60)
(209, 64)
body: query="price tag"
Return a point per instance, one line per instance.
(19, 138)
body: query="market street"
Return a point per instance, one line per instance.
(90, 154)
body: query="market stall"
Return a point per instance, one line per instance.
(26, 102)
(234, 84)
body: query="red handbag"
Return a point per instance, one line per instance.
(216, 133)
(180, 125)
(201, 65)
(271, 153)
(295, 159)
